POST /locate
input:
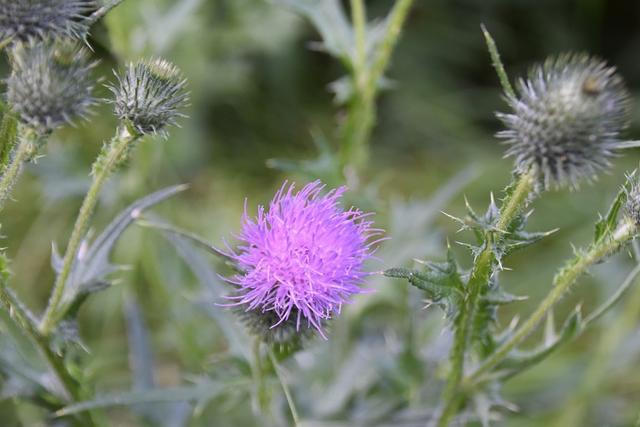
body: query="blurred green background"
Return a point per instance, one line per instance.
(257, 93)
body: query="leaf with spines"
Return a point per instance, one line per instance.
(609, 222)
(92, 265)
(441, 282)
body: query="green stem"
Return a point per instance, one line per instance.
(483, 266)
(23, 151)
(562, 284)
(359, 20)
(261, 397)
(113, 154)
(358, 126)
(285, 388)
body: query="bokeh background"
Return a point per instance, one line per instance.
(258, 92)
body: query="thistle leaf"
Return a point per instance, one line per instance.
(441, 282)
(329, 18)
(609, 222)
(92, 265)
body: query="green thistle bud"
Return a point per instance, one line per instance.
(149, 95)
(268, 327)
(566, 122)
(50, 84)
(21, 20)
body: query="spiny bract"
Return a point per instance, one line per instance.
(50, 84)
(632, 204)
(567, 120)
(21, 20)
(285, 337)
(149, 95)
(302, 258)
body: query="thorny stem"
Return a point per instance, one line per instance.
(23, 151)
(285, 388)
(483, 266)
(113, 154)
(360, 120)
(562, 283)
(28, 324)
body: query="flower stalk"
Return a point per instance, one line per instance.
(285, 388)
(113, 154)
(479, 278)
(360, 120)
(625, 231)
(25, 149)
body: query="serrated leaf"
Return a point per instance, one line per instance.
(441, 282)
(92, 264)
(609, 222)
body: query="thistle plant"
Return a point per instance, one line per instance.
(50, 86)
(303, 324)
(565, 127)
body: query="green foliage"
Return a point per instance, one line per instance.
(157, 349)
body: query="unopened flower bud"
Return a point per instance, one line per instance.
(21, 20)
(50, 84)
(149, 95)
(567, 119)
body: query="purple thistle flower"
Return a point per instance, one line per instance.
(303, 258)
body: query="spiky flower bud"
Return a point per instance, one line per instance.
(149, 95)
(50, 84)
(21, 20)
(567, 119)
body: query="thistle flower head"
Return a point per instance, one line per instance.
(566, 122)
(50, 84)
(21, 20)
(149, 95)
(301, 259)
